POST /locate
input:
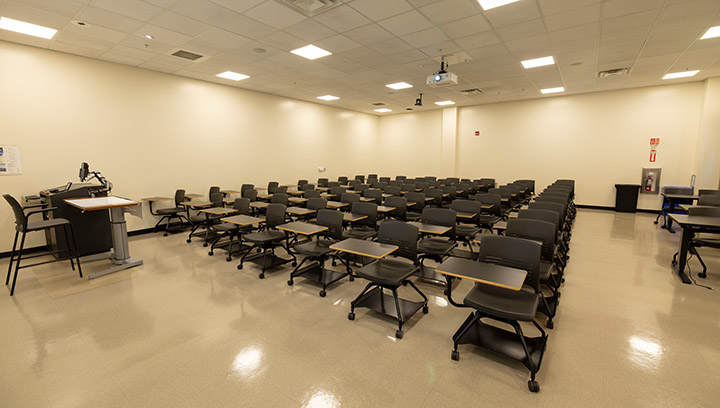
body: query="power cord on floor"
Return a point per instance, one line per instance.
(687, 264)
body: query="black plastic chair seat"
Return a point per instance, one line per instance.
(412, 216)
(167, 211)
(389, 272)
(226, 226)
(434, 245)
(489, 219)
(315, 248)
(546, 269)
(359, 233)
(518, 305)
(465, 230)
(265, 237)
(40, 225)
(707, 242)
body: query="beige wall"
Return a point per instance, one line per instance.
(411, 144)
(150, 133)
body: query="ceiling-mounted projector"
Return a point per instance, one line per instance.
(442, 77)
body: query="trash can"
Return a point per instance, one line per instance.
(626, 197)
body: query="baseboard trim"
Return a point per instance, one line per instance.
(604, 208)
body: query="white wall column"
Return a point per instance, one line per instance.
(707, 157)
(448, 158)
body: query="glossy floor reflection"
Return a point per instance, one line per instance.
(190, 330)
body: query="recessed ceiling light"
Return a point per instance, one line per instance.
(712, 32)
(234, 76)
(443, 103)
(683, 74)
(552, 90)
(27, 28)
(538, 62)
(399, 85)
(383, 110)
(491, 4)
(311, 52)
(148, 36)
(328, 98)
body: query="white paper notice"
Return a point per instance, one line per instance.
(10, 160)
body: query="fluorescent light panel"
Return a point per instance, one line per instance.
(27, 28)
(552, 90)
(443, 103)
(538, 62)
(311, 52)
(234, 76)
(328, 98)
(399, 85)
(683, 74)
(712, 32)
(383, 110)
(491, 4)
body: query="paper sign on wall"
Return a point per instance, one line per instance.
(10, 160)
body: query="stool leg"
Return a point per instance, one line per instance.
(17, 265)
(75, 249)
(12, 256)
(68, 249)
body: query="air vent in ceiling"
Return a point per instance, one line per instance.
(613, 72)
(472, 91)
(312, 8)
(187, 55)
(378, 104)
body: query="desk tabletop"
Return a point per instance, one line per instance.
(487, 273)
(243, 220)
(100, 203)
(264, 196)
(297, 199)
(353, 217)
(218, 210)
(366, 199)
(500, 226)
(154, 199)
(193, 195)
(681, 196)
(336, 204)
(299, 211)
(304, 228)
(430, 228)
(463, 214)
(696, 220)
(386, 195)
(198, 204)
(322, 188)
(230, 191)
(259, 204)
(364, 248)
(384, 208)
(687, 207)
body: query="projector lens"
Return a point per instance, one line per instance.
(438, 78)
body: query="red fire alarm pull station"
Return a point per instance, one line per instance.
(652, 155)
(477, 133)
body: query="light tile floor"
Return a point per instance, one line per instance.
(190, 330)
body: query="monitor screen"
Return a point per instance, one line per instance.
(84, 170)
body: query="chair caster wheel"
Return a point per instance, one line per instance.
(399, 334)
(165, 234)
(445, 292)
(673, 263)
(655, 222)
(257, 250)
(240, 266)
(188, 240)
(334, 263)
(290, 282)
(261, 275)
(562, 280)
(205, 244)
(322, 293)
(294, 263)
(702, 275)
(425, 309)
(228, 259)
(352, 279)
(455, 355)
(351, 316)
(465, 244)
(533, 386)
(550, 324)
(211, 253)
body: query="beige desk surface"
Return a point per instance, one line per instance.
(154, 199)
(243, 220)
(198, 204)
(100, 203)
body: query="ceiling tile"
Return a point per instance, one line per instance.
(136, 9)
(120, 59)
(310, 31)
(338, 43)
(342, 18)
(522, 30)
(76, 49)
(450, 10)
(204, 11)
(380, 9)
(284, 41)
(98, 32)
(478, 40)
(180, 23)
(35, 16)
(641, 19)
(162, 35)
(425, 37)
(616, 8)
(512, 13)
(369, 34)
(392, 46)
(466, 26)
(275, 14)
(406, 23)
(108, 19)
(585, 31)
(573, 18)
(238, 6)
(558, 6)
(247, 27)
(215, 41)
(62, 7)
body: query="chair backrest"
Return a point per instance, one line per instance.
(463, 189)
(360, 178)
(342, 179)
(337, 191)
(280, 198)
(179, 197)
(403, 235)
(537, 230)
(487, 182)
(418, 199)
(400, 178)
(709, 199)
(20, 222)
(274, 190)
(468, 206)
(213, 190)
(361, 187)
(408, 187)
(369, 209)
(332, 184)
(679, 190)
(705, 191)
(354, 183)
(400, 204)
(349, 198)
(216, 199)
(301, 183)
(394, 190)
(323, 182)
(242, 206)
(440, 216)
(273, 184)
(551, 206)
(385, 180)
(515, 253)
(543, 215)
(250, 194)
(333, 220)
(451, 190)
(247, 187)
(275, 215)
(502, 192)
(375, 194)
(311, 194)
(422, 184)
(307, 187)
(705, 211)
(436, 196)
(529, 183)
(490, 199)
(316, 203)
